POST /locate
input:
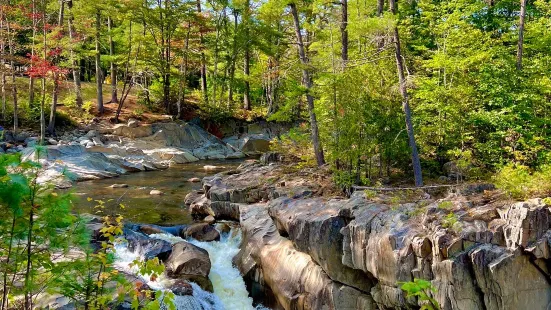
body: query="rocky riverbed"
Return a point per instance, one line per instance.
(311, 251)
(104, 151)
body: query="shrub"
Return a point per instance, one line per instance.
(521, 182)
(422, 289)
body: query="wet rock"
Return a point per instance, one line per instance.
(148, 247)
(209, 219)
(149, 230)
(187, 259)
(270, 157)
(194, 180)
(201, 232)
(181, 288)
(119, 186)
(211, 167)
(133, 123)
(155, 192)
(223, 228)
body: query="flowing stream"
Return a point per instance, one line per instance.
(230, 291)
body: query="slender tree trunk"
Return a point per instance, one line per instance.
(417, 172)
(233, 57)
(99, 74)
(183, 74)
(114, 98)
(344, 33)
(53, 108)
(13, 80)
(520, 48)
(318, 150)
(246, 70)
(74, 61)
(127, 86)
(31, 79)
(3, 63)
(204, 88)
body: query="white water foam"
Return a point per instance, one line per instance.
(230, 291)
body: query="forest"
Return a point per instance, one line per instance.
(275, 154)
(379, 87)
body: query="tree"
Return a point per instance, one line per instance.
(520, 47)
(307, 80)
(405, 101)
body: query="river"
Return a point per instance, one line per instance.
(230, 291)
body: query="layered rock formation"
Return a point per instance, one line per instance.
(314, 252)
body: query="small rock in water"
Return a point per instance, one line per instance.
(201, 232)
(90, 144)
(149, 230)
(210, 167)
(209, 219)
(181, 288)
(155, 192)
(52, 141)
(194, 180)
(119, 186)
(223, 227)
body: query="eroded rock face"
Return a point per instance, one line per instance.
(295, 279)
(354, 253)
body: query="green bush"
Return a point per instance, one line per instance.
(521, 182)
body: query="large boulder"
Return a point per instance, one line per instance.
(201, 232)
(189, 262)
(187, 259)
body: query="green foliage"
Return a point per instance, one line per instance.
(521, 182)
(422, 289)
(37, 214)
(296, 143)
(451, 221)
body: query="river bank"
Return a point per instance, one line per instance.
(479, 252)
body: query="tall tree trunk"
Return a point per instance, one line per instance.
(53, 108)
(31, 79)
(3, 63)
(13, 80)
(128, 81)
(520, 48)
(307, 80)
(405, 103)
(204, 89)
(114, 98)
(74, 62)
(183, 74)
(246, 70)
(99, 74)
(344, 33)
(233, 56)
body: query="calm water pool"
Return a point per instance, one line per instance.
(140, 206)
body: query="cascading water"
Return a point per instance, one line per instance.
(229, 287)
